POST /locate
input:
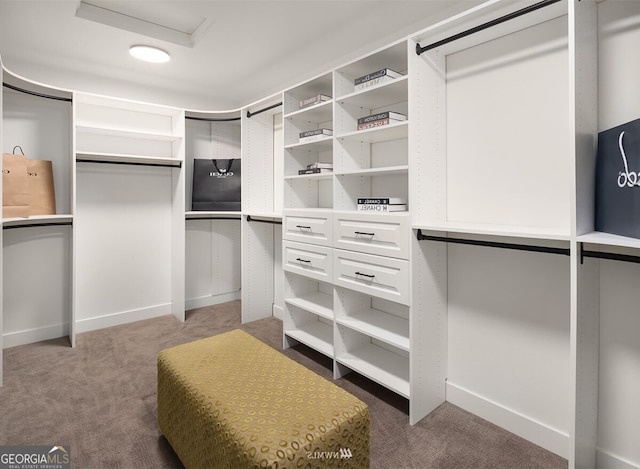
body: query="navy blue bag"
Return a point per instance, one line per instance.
(618, 180)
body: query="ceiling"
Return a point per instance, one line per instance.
(225, 54)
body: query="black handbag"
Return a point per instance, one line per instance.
(618, 180)
(216, 185)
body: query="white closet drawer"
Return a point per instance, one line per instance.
(307, 227)
(308, 260)
(385, 235)
(383, 277)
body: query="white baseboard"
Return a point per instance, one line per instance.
(524, 426)
(123, 317)
(30, 336)
(203, 301)
(607, 460)
(277, 311)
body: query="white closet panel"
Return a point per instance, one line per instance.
(508, 132)
(123, 251)
(508, 346)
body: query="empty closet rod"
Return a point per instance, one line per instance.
(612, 256)
(273, 222)
(494, 244)
(249, 113)
(211, 119)
(34, 93)
(129, 163)
(536, 6)
(37, 225)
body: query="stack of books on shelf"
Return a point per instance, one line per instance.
(313, 135)
(313, 100)
(382, 204)
(317, 167)
(375, 78)
(379, 119)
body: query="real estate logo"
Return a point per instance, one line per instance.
(35, 457)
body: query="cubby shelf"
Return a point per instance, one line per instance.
(383, 95)
(382, 171)
(393, 131)
(317, 303)
(317, 335)
(213, 214)
(318, 145)
(380, 365)
(379, 325)
(317, 113)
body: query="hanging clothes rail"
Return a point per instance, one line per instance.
(536, 6)
(37, 225)
(234, 217)
(494, 244)
(211, 119)
(273, 106)
(273, 222)
(178, 163)
(612, 256)
(34, 93)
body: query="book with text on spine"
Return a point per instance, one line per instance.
(382, 207)
(375, 78)
(317, 99)
(379, 119)
(320, 164)
(315, 170)
(313, 135)
(382, 200)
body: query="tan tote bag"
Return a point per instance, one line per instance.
(15, 188)
(42, 194)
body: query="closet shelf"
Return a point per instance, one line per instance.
(318, 145)
(382, 95)
(320, 112)
(378, 134)
(199, 215)
(317, 303)
(609, 239)
(382, 366)
(384, 171)
(317, 335)
(96, 157)
(532, 232)
(315, 176)
(385, 327)
(111, 132)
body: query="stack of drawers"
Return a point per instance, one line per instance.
(347, 290)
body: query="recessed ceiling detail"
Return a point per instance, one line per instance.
(175, 26)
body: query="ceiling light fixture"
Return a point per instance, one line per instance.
(149, 54)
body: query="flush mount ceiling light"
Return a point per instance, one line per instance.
(149, 54)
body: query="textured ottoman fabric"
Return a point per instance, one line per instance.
(231, 401)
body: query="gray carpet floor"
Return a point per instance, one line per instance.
(100, 398)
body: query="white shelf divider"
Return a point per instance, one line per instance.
(316, 302)
(317, 335)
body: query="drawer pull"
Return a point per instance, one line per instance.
(363, 233)
(303, 227)
(303, 260)
(365, 275)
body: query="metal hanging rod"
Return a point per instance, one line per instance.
(494, 244)
(34, 93)
(211, 119)
(612, 256)
(249, 113)
(536, 6)
(129, 163)
(273, 222)
(37, 225)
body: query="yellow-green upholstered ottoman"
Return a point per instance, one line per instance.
(231, 401)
